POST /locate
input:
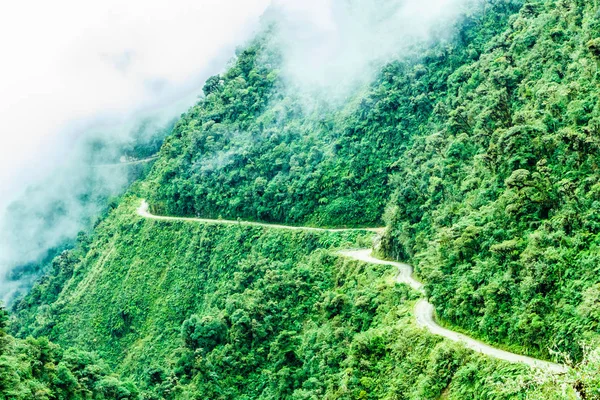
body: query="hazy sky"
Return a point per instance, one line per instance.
(66, 61)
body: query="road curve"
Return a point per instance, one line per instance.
(424, 311)
(144, 211)
(424, 314)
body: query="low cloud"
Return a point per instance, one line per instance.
(332, 46)
(74, 70)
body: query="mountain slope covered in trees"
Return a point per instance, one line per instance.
(252, 148)
(479, 156)
(498, 203)
(189, 310)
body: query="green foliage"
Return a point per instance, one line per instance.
(3, 325)
(488, 147)
(250, 148)
(497, 203)
(203, 333)
(229, 312)
(38, 369)
(3, 319)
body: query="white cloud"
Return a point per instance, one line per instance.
(332, 45)
(71, 67)
(65, 61)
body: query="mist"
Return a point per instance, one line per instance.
(81, 82)
(332, 47)
(78, 81)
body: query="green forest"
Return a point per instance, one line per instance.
(479, 155)
(498, 208)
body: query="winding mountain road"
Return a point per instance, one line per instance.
(424, 311)
(424, 314)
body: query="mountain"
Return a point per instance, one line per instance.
(478, 155)
(496, 204)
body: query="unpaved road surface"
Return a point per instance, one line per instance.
(424, 314)
(143, 211)
(126, 163)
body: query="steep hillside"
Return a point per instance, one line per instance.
(253, 149)
(485, 145)
(498, 204)
(45, 219)
(190, 310)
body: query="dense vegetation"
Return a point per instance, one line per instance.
(208, 311)
(491, 147)
(252, 149)
(498, 203)
(487, 147)
(38, 369)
